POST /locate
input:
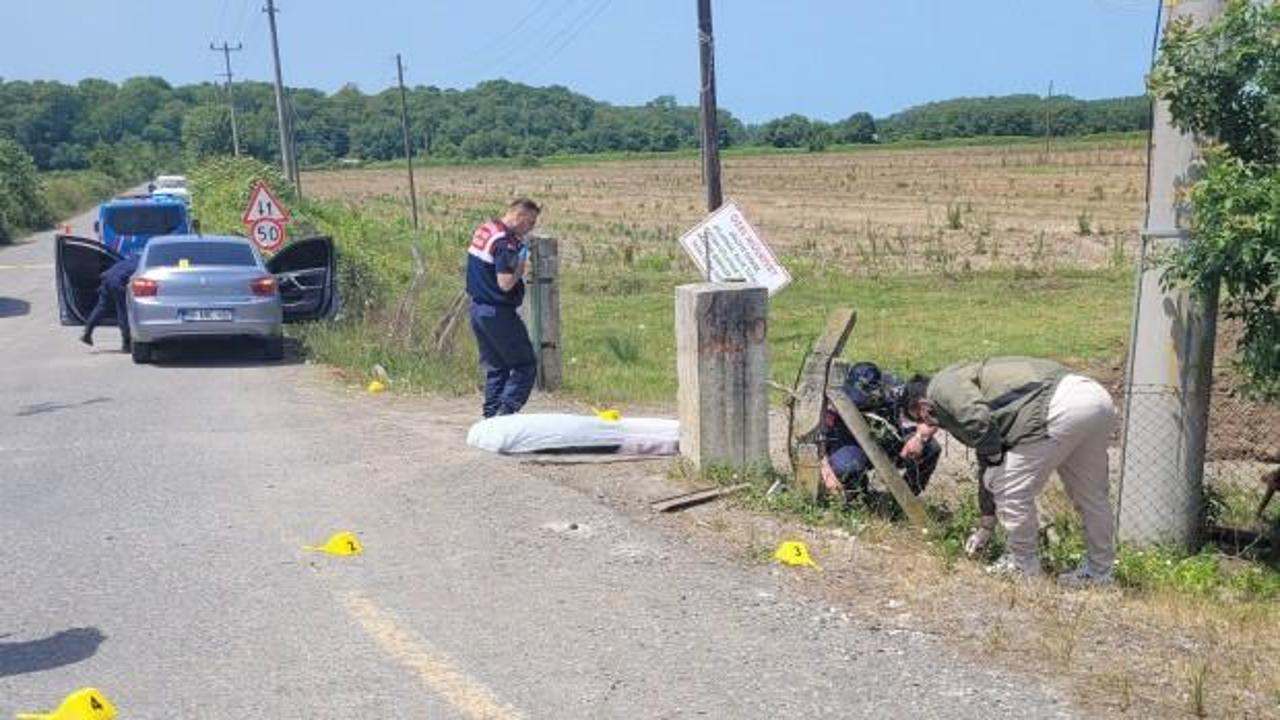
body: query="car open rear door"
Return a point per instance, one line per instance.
(306, 271)
(78, 263)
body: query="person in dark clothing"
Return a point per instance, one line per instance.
(877, 394)
(111, 293)
(496, 262)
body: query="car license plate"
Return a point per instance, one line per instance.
(205, 315)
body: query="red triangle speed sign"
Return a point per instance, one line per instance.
(264, 206)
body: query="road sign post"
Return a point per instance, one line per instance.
(266, 218)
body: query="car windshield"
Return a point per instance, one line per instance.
(146, 220)
(171, 183)
(191, 254)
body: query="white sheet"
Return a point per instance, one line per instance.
(526, 433)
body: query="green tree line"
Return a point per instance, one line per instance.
(144, 124)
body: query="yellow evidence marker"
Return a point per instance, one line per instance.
(86, 704)
(343, 543)
(608, 414)
(375, 386)
(794, 552)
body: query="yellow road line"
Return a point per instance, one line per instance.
(432, 667)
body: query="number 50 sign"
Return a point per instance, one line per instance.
(265, 217)
(268, 234)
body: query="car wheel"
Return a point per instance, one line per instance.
(273, 348)
(141, 352)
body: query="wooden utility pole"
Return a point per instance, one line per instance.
(710, 129)
(1048, 120)
(544, 256)
(226, 51)
(282, 119)
(408, 149)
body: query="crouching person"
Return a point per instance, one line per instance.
(1025, 418)
(878, 395)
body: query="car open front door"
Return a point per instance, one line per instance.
(78, 263)
(306, 271)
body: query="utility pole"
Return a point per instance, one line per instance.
(1170, 365)
(710, 131)
(408, 149)
(1048, 120)
(231, 100)
(294, 123)
(286, 144)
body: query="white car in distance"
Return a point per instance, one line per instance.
(172, 185)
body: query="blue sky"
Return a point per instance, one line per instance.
(821, 58)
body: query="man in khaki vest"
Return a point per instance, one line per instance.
(1026, 418)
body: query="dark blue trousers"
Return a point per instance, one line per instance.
(109, 296)
(506, 355)
(850, 464)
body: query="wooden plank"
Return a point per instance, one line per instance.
(697, 497)
(885, 469)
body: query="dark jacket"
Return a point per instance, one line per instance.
(992, 405)
(117, 276)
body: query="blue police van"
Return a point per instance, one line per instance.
(124, 226)
(126, 223)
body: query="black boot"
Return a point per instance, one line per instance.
(86, 337)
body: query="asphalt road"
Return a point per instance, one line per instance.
(153, 518)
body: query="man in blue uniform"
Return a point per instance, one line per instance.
(111, 293)
(496, 262)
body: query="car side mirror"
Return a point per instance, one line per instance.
(195, 226)
(97, 227)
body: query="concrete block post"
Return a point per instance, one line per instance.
(722, 360)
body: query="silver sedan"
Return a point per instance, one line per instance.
(202, 286)
(197, 286)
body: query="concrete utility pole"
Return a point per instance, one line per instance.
(710, 129)
(408, 150)
(226, 51)
(1170, 367)
(286, 144)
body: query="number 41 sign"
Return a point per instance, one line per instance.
(266, 218)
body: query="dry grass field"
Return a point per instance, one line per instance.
(874, 210)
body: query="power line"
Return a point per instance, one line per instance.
(491, 64)
(574, 29)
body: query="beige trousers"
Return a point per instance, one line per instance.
(1081, 417)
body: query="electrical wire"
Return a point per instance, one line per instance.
(586, 20)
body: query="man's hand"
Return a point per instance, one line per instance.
(913, 448)
(830, 482)
(980, 537)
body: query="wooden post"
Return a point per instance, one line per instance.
(722, 361)
(809, 399)
(545, 256)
